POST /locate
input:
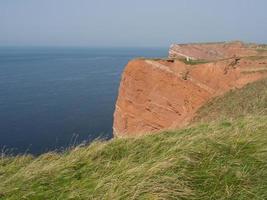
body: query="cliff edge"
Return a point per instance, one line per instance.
(164, 94)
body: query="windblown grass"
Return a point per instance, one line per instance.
(224, 159)
(250, 100)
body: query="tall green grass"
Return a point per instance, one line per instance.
(224, 159)
(250, 100)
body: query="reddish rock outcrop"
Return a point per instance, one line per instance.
(213, 51)
(158, 95)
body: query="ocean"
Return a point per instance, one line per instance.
(52, 98)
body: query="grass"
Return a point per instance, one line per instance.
(250, 100)
(153, 59)
(255, 57)
(223, 159)
(252, 71)
(193, 62)
(262, 48)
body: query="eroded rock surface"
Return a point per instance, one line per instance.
(156, 95)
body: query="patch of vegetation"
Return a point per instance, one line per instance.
(193, 62)
(261, 48)
(153, 59)
(250, 100)
(188, 62)
(262, 70)
(256, 57)
(223, 159)
(264, 46)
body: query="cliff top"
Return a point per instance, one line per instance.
(215, 51)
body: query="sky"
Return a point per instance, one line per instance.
(130, 23)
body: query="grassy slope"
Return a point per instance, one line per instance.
(251, 100)
(219, 160)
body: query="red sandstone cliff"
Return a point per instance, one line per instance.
(157, 95)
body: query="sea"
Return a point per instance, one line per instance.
(54, 98)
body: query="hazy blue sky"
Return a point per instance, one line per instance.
(130, 22)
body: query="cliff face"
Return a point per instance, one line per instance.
(157, 95)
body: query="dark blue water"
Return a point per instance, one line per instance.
(51, 98)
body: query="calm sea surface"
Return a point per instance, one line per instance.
(51, 98)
